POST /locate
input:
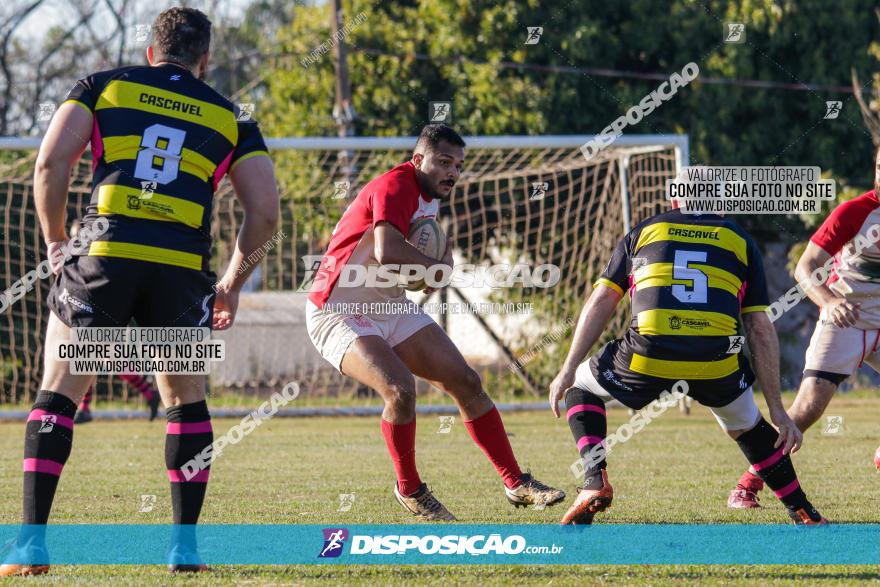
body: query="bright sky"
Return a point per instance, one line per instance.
(55, 12)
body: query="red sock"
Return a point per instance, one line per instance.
(489, 434)
(86, 400)
(401, 442)
(750, 481)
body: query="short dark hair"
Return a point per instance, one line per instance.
(182, 35)
(435, 132)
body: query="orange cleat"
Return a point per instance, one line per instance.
(807, 517)
(588, 503)
(14, 570)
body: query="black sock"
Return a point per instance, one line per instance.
(47, 442)
(589, 426)
(188, 433)
(774, 468)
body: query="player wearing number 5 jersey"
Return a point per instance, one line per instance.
(161, 141)
(691, 278)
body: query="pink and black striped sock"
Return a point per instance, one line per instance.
(772, 466)
(589, 426)
(188, 433)
(47, 443)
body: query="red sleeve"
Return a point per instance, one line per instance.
(844, 223)
(393, 203)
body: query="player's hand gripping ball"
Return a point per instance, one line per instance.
(426, 235)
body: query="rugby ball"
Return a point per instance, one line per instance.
(426, 235)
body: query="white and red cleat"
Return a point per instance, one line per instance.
(743, 499)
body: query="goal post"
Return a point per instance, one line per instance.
(527, 200)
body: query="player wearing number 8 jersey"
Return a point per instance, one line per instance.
(691, 279)
(161, 142)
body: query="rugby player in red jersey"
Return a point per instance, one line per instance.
(384, 349)
(847, 334)
(163, 125)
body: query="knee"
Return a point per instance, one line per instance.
(465, 383)
(401, 396)
(578, 395)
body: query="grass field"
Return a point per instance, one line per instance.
(677, 470)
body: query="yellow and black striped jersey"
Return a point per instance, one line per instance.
(161, 142)
(690, 277)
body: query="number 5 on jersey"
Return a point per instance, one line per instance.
(699, 280)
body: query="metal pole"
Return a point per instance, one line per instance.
(623, 168)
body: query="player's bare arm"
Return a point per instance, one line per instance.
(594, 317)
(391, 248)
(840, 311)
(254, 183)
(765, 353)
(64, 143)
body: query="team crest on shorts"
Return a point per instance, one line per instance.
(361, 321)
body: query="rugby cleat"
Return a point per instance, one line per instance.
(13, 570)
(532, 492)
(877, 458)
(807, 516)
(82, 417)
(424, 505)
(25, 569)
(743, 499)
(185, 560)
(588, 503)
